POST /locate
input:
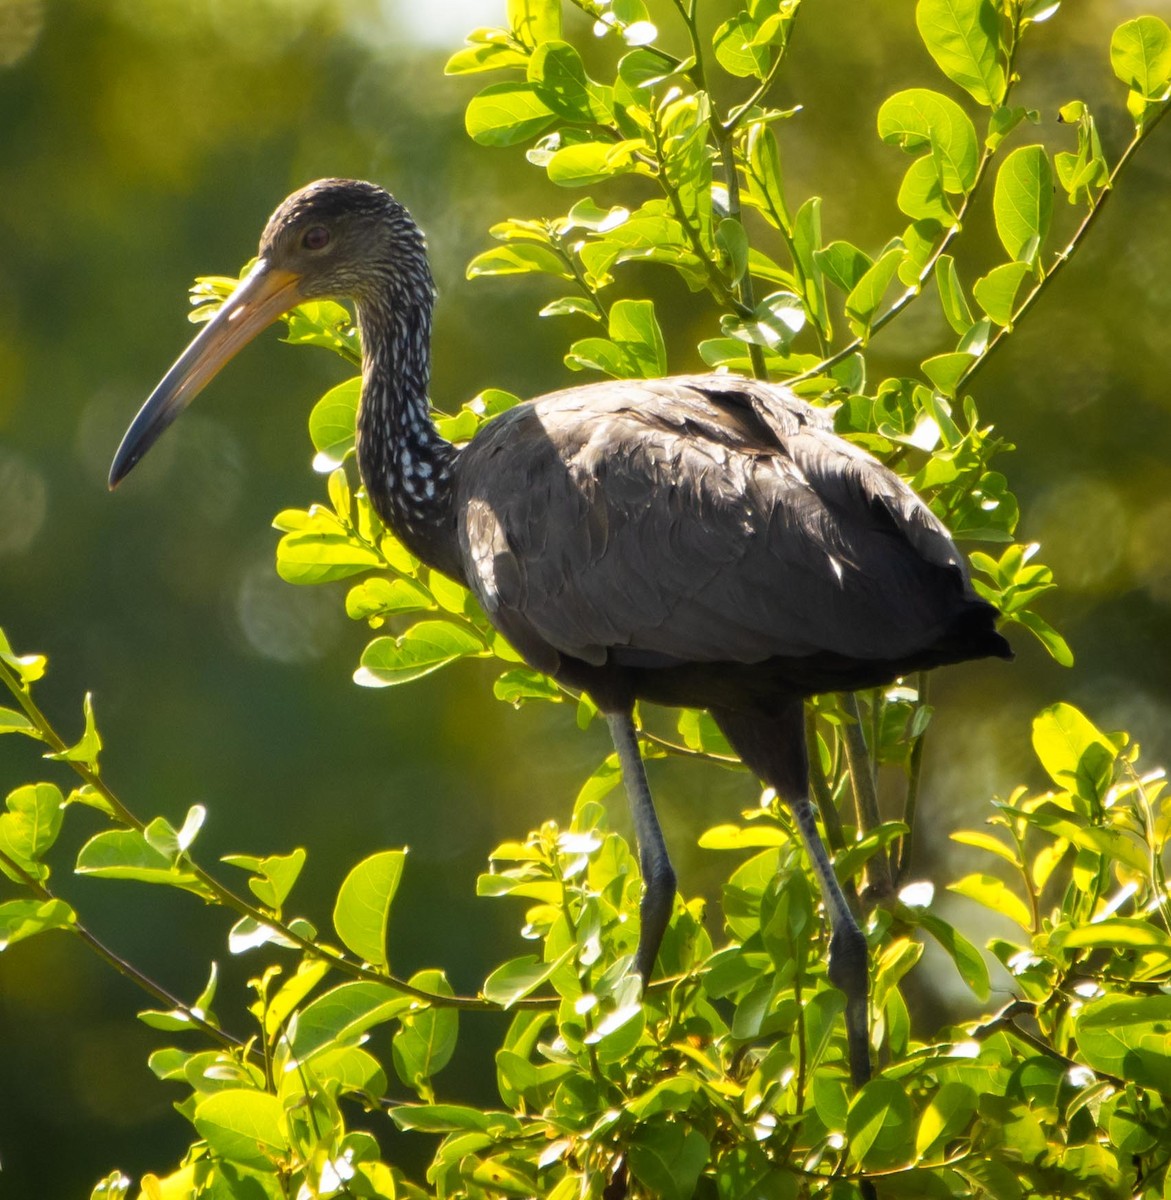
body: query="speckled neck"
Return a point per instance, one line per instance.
(407, 467)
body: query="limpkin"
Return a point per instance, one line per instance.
(699, 540)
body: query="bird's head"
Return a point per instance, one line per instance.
(335, 239)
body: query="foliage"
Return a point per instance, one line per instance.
(727, 1078)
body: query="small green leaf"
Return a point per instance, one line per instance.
(522, 683)
(89, 747)
(843, 264)
(425, 647)
(996, 292)
(243, 1125)
(951, 295)
(16, 722)
(736, 48)
(863, 302)
(454, 1118)
(1022, 202)
(424, 1044)
(28, 667)
(517, 978)
(968, 960)
(362, 911)
(558, 77)
(946, 370)
(331, 424)
(30, 827)
(535, 21)
(322, 556)
(733, 242)
(963, 38)
(484, 56)
(519, 258)
(20, 919)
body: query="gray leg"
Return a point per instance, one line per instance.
(773, 745)
(847, 945)
(658, 875)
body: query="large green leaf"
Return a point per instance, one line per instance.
(126, 854)
(1140, 53)
(879, 1125)
(1129, 1037)
(343, 1015)
(918, 119)
(1023, 202)
(243, 1125)
(30, 827)
(506, 113)
(20, 919)
(963, 38)
(331, 424)
(362, 911)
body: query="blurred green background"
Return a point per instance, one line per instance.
(143, 142)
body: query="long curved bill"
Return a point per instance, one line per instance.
(263, 295)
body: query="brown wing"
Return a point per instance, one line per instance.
(706, 519)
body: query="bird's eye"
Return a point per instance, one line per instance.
(316, 238)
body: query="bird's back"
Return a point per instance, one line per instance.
(659, 524)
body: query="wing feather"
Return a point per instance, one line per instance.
(697, 519)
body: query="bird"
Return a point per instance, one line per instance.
(698, 540)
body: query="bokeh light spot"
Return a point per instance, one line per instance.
(24, 499)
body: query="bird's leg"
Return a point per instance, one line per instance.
(658, 875)
(773, 745)
(848, 954)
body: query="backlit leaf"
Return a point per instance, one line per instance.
(425, 647)
(1023, 202)
(362, 910)
(963, 38)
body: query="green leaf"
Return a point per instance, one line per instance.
(28, 667)
(921, 193)
(1116, 933)
(1023, 202)
(878, 1125)
(425, 647)
(667, 1158)
(1071, 748)
(995, 894)
(12, 721)
(522, 683)
(89, 746)
(996, 292)
(379, 596)
(535, 21)
(843, 264)
(1057, 646)
(126, 854)
(1129, 1037)
(945, 1117)
(918, 118)
(273, 877)
(559, 79)
(424, 1044)
(343, 1015)
(30, 827)
(736, 48)
(484, 56)
(455, 1118)
(963, 38)
(322, 555)
(582, 163)
(733, 242)
(517, 978)
(633, 326)
(946, 370)
(951, 295)
(243, 1125)
(519, 258)
(968, 960)
(1140, 53)
(863, 302)
(20, 919)
(504, 114)
(331, 424)
(362, 911)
